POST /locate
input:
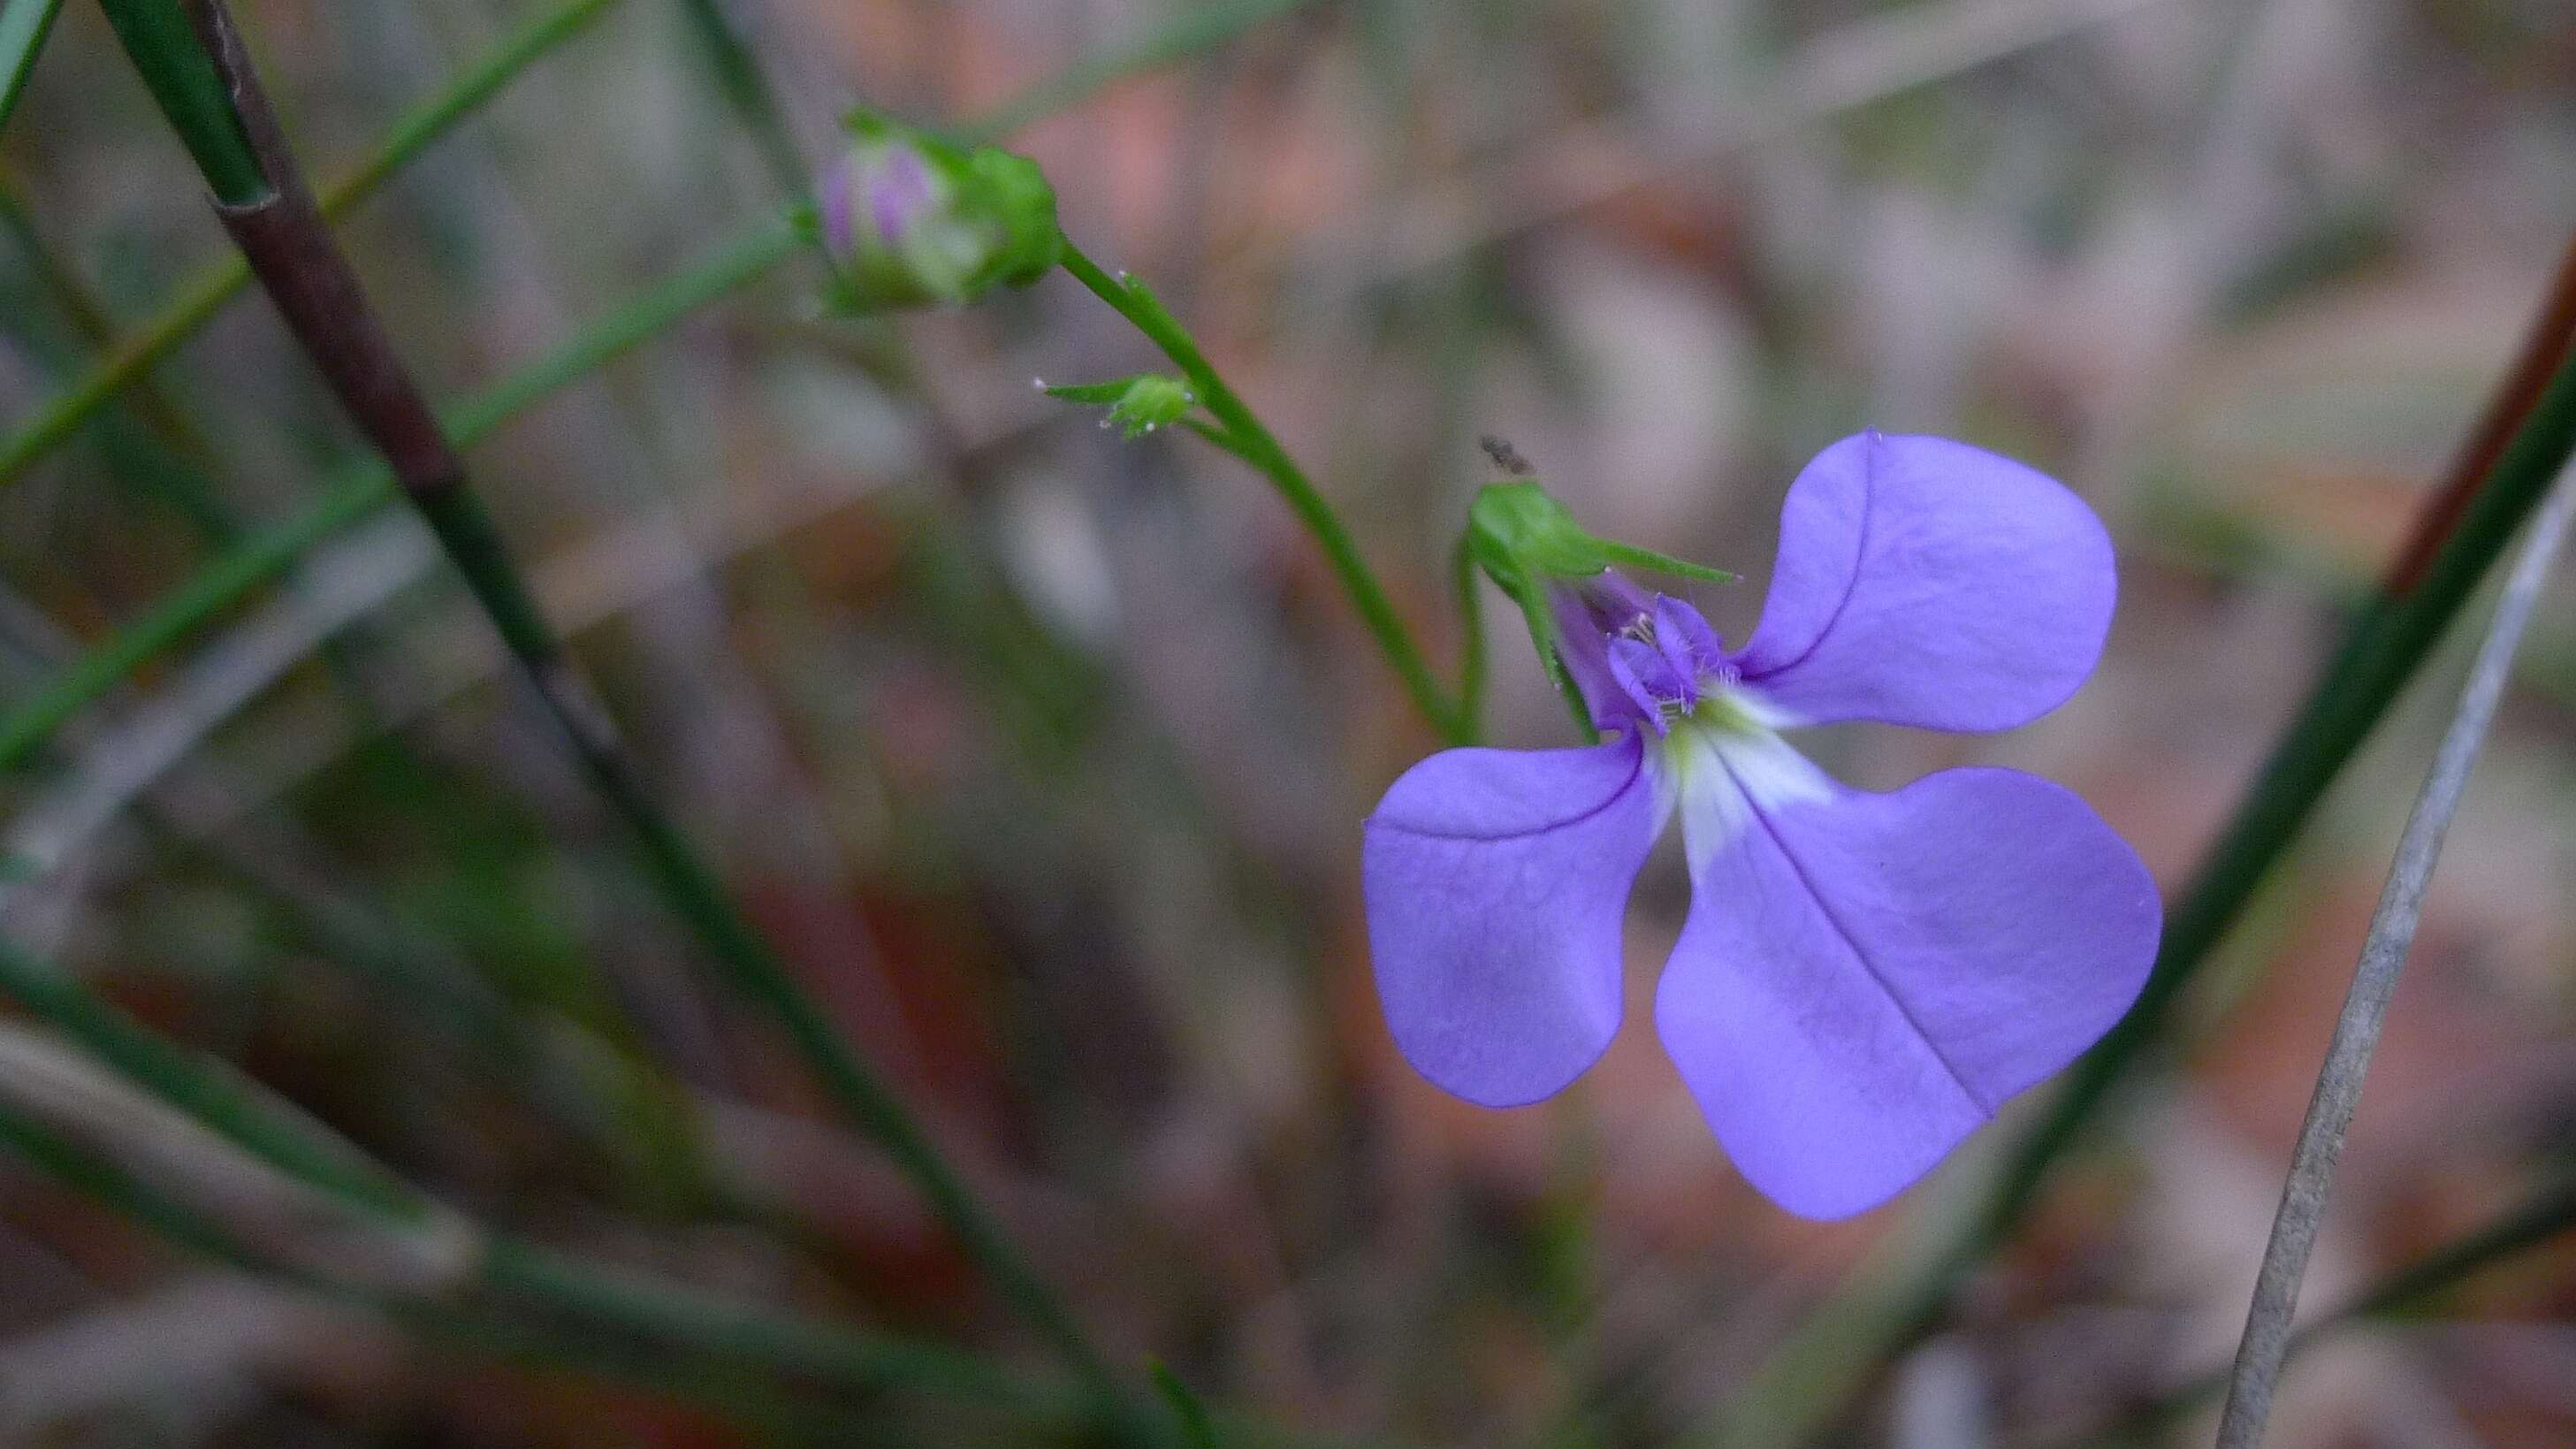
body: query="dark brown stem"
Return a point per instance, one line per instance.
(2542, 352)
(289, 249)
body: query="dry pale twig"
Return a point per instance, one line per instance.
(202, 1341)
(2365, 1007)
(278, 1217)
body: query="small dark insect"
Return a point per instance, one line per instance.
(1505, 456)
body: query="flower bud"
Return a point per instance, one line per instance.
(910, 220)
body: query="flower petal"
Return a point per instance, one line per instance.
(1686, 639)
(1590, 612)
(1648, 677)
(1495, 883)
(1925, 582)
(1864, 979)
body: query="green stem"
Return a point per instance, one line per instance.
(759, 973)
(1246, 438)
(780, 1343)
(23, 24)
(201, 1086)
(511, 1271)
(148, 444)
(1197, 28)
(746, 88)
(1471, 621)
(234, 573)
(204, 294)
(431, 119)
(117, 1188)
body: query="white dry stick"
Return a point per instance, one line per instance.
(278, 1217)
(2356, 1034)
(342, 582)
(346, 580)
(197, 1348)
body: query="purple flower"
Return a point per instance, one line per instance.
(1862, 979)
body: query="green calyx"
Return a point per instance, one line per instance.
(1518, 527)
(1526, 541)
(912, 220)
(1140, 403)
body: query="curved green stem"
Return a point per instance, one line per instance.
(1247, 439)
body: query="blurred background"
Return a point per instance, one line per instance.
(1043, 754)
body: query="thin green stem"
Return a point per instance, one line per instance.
(238, 571)
(431, 119)
(233, 574)
(200, 1086)
(1247, 439)
(204, 294)
(507, 1269)
(781, 1343)
(1197, 28)
(746, 88)
(90, 321)
(147, 444)
(23, 25)
(1471, 623)
(114, 1186)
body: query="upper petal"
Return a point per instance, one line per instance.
(1864, 979)
(1495, 882)
(1925, 582)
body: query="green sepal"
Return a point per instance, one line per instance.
(1521, 523)
(1525, 540)
(1138, 403)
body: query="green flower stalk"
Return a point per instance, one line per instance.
(911, 221)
